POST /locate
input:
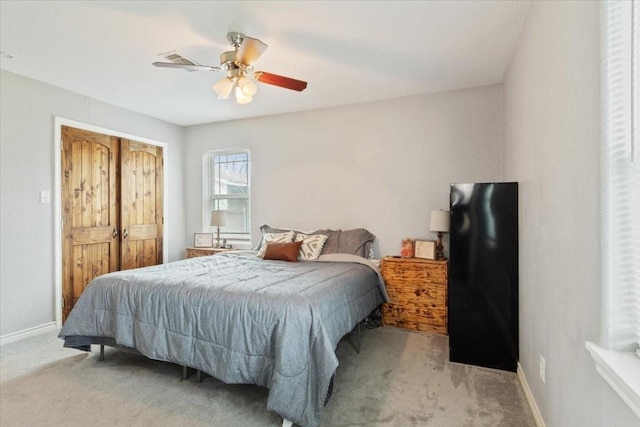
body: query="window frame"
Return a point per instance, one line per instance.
(614, 356)
(242, 240)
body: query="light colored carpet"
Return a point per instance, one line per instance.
(400, 378)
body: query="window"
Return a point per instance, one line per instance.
(615, 357)
(621, 182)
(227, 188)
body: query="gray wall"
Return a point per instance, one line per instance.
(28, 109)
(381, 165)
(552, 147)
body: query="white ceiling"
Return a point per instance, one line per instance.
(348, 51)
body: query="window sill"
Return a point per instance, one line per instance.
(622, 372)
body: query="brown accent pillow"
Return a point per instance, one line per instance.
(282, 251)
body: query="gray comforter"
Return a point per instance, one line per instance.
(236, 317)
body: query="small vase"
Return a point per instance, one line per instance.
(407, 248)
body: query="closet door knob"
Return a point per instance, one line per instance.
(125, 233)
(115, 233)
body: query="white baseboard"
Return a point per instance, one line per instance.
(26, 333)
(530, 400)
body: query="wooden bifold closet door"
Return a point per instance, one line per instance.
(141, 213)
(112, 198)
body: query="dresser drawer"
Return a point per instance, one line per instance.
(417, 292)
(415, 317)
(414, 272)
(197, 252)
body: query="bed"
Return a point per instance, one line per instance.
(237, 317)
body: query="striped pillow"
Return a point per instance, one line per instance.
(312, 245)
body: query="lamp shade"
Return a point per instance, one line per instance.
(241, 98)
(223, 87)
(218, 218)
(247, 87)
(439, 221)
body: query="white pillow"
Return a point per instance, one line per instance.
(275, 238)
(312, 245)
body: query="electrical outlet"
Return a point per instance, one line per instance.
(543, 369)
(45, 197)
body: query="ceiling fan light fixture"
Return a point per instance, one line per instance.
(223, 87)
(238, 64)
(247, 86)
(241, 98)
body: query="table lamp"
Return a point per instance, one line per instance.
(218, 220)
(440, 224)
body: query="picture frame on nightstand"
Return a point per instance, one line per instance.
(202, 240)
(425, 249)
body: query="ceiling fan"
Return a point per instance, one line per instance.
(238, 63)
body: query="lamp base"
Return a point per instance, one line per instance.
(439, 248)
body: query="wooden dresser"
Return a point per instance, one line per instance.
(196, 252)
(418, 292)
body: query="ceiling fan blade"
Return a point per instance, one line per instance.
(187, 67)
(281, 81)
(250, 50)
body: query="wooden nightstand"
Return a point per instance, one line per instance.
(418, 292)
(196, 252)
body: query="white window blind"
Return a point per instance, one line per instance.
(227, 188)
(620, 178)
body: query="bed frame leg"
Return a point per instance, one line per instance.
(199, 375)
(101, 353)
(185, 373)
(358, 339)
(286, 423)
